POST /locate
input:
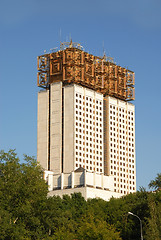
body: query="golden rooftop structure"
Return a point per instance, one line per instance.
(73, 65)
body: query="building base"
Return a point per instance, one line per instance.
(89, 184)
(87, 193)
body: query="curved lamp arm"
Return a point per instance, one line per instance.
(141, 229)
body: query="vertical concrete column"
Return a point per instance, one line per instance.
(56, 127)
(94, 179)
(72, 179)
(62, 180)
(42, 128)
(69, 129)
(102, 182)
(85, 177)
(50, 181)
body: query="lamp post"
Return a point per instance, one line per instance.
(141, 230)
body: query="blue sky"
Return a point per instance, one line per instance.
(130, 32)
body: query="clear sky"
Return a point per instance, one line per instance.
(130, 32)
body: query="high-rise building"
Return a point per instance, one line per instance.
(86, 124)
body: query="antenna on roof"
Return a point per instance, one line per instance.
(70, 38)
(104, 53)
(70, 44)
(60, 34)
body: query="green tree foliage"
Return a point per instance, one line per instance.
(117, 214)
(22, 190)
(156, 184)
(27, 213)
(92, 228)
(153, 228)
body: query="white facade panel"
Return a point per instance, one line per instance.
(68, 147)
(56, 127)
(42, 128)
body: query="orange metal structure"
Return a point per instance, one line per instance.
(72, 65)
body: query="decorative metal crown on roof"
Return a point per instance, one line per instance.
(71, 64)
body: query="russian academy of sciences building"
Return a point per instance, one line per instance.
(86, 124)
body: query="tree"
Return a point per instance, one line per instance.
(22, 190)
(156, 184)
(27, 213)
(152, 230)
(93, 228)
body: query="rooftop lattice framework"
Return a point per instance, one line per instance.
(73, 65)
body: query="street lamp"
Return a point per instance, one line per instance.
(141, 230)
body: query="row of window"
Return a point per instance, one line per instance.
(116, 167)
(113, 134)
(124, 148)
(98, 163)
(87, 137)
(123, 175)
(124, 181)
(90, 168)
(123, 186)
(122, 153)
(115, 173)
(89, 150)
(92, 112)
(121, 143)
(114, 129)
(122, 125)
(90, 99)
(90, 105)
(121, 120)
(122, 115)
(91, 156)
(97, 124)
(121, 191)
(89, 144)
(121, 109)
(114, 139)
(89, 119)
(87, 131)
(122, 163)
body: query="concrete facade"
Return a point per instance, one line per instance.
(80, 128)
(43, 128)
(56, 127)
(83, 129)
(68, 161)
(119, 135)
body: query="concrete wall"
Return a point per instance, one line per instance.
(68, 165)
(42, 128)
(56, 127)
(87, 193)
(68, 191)
(99, 193)
(78, 178)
